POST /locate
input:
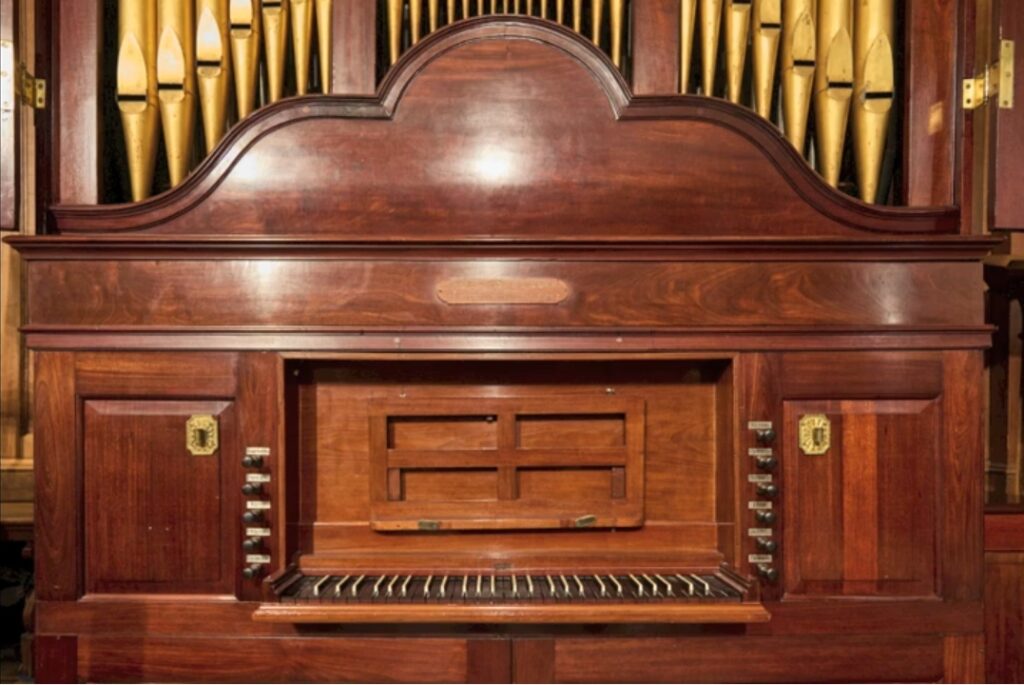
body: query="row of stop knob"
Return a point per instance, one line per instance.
(254, 517)
(767, 492)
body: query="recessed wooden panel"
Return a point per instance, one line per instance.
(571, 431)
(860, 518)
(452, 485)
(685, 436)
(449, 451)
(153, 511)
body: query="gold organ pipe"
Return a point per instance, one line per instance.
(560, 11)
(415, 20)
(324, 37)
(213, 67)
(137, 90)
(433, 8)
(577, 16)
(543, 9)
(465, 9)
(797, 68)
(618, 9)
(687, 23)
(394, 29)
(596, 19)
(275, 34)
(873, 90)
(710, 23)
(451, 12)
(737, 29)
(833, 85)
(529, 7)
(494, 6)
(479, 7)
(175, 77)
(244, 20)
(302, 38)
(767, 26)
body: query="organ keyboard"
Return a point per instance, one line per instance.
(677, 594)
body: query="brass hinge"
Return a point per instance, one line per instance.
(996, 79)
(31, 90)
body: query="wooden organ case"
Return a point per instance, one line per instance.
(507, 374)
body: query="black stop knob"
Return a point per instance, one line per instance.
(767, 463)
(250, 544)
(765, 436)
(252, 516)
(767, 545)
(767, 489)
(250, 461)
(767, 517)
(252, 488)
(767, 572)
(253, 571)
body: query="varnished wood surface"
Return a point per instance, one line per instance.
(388, 294)
(522, 164)
(656, 47)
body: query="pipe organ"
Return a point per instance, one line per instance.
(602, 341)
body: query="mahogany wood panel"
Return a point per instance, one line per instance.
(58, 541)
(964, 658)
(56, 659)
(860, 519)
(1004, 616)
(542, 121)
(312, 659)
(961, 524)
(354, 50)
(181, 295)
(742, 659)
(682, 432)
(930, 122)
(147, 375)
(655, 47)
(154, 516)
(73, 99)
(489, 661)
(128, 615)
(1008, 150)
(533, 660)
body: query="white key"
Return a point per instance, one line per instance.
(465, 586)
(493, 591)
(579, 585)
(405, 586)
(654, 586)
(376, 586)
(687, 583)
(600, 584)
(617, 584)
(707, 588)
(426, 586)
(479, 585)
(668, 585)
(320, 583)
(444, 585)
(551, 587)
(355, 585)
(565, 586)
(515, 586)
(639, 585)
(337, 588)
(529, 586)
(391, 586)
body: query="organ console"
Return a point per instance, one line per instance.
(555, 359)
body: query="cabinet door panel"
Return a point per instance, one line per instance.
(860, 518)
(154, 517)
